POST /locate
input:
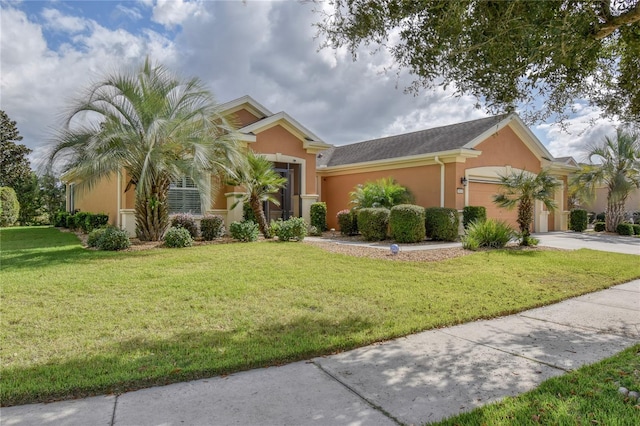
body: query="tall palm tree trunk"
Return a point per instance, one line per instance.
(258, 211)
(525, 216)
(152, 214)
(614, 214)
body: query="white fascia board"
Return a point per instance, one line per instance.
(302, 132)
(234, 105)
(411, 160)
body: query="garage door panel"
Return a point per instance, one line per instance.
(481, 194)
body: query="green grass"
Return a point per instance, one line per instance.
(76, 322)
(587, 396)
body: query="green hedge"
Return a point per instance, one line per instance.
(441, 223)
(578, 220)
(599, 227)
(244, 231)
(636, 229)
(319, 216)
(625, 229)
(9, 206)
(348, 222)
(212, 227)
(472, 214)
(406, 223)
(373, 223)
(292, 229)
(178, 237)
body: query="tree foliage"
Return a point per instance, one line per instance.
(154, 125)
(260, 182)
(14, 163)
(507, 54)
(385, 192)
(618, 169)
(522, 189)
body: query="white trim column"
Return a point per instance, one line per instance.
(234, 214)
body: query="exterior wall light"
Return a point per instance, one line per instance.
(463, 181)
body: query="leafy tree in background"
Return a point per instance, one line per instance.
(28, 192)
(522, 190)
(260, 182)
(52, 195)
(14, 163)
(508, 54)
(618, 169)
(156, 126)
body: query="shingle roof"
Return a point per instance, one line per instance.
(438, 139)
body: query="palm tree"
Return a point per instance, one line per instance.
(619, 171)
(260, 182)
(154, 125)
(385, 192)
(523, 189)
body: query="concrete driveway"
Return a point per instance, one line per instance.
(590, 240)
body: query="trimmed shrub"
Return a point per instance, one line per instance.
(114, 239)
(98, 220)
(406, 223)
(592, 217)
(60, 219)
(211, 227)
(599, 227)
(473, 214)
(636, 229)
(348, 222)
(71, 222)
(244, 231)
(9, 206)
(578, 220)
(178, 237)
(93, 240)
(81, 221)
(186, 221)
(600, 217)
(373, 223)
(441, 223)
(319, 216)
(624, 228)
(248, 214)
(488, 233)
(314, 231)
(294, 228)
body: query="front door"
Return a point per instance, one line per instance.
(285, 197)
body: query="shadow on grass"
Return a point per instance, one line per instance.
(142, 362)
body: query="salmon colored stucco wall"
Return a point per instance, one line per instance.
(277, 139)
(101, 198)
(504, 148)
(423, 181)
(242, 118)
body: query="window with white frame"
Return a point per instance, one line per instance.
(184, 197)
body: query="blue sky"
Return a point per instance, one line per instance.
(51, 50)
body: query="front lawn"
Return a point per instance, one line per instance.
(587, 396)
(75, 322)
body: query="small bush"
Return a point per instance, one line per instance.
(114, 239)
(473, 214)
(98, 220)
(294, 228)
(314, 231)
(71, 222)
(212, 227)
(60, 219)
(599, 227)
(244, 231)
(319, 216)
(488, 233)
(442, 223)
(186, 221)
(373, 223)
(81, 221)
(578, 220)
(528, 240)
(600, 217)
(348, 222)
(625, 229)
(636, 229)
(406, 223)
(9, 206)
(93, 240)
(178, 237)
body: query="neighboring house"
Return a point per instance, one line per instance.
(599, 202)
(451, 166)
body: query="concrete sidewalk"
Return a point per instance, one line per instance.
(420, 378)
(590, 240)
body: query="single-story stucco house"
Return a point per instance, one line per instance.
(451, 166)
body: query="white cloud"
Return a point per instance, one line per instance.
(130, 12)
(59, 22)
(172, 13)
